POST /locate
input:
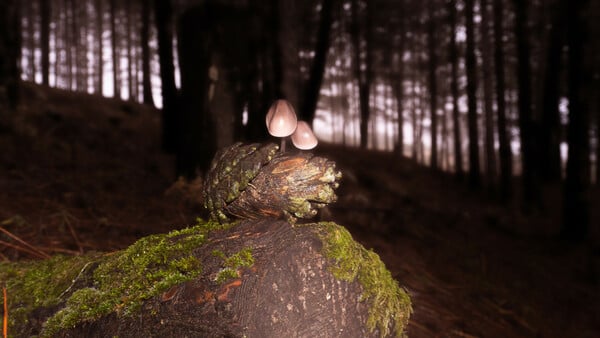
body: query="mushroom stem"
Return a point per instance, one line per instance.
(282, 147)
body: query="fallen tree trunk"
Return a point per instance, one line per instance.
(253, 278)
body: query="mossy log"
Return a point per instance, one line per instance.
(249, 272)
(255, 278)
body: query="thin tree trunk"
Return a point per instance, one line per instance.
(399, 82)
(115, 55)
(82, 49)
(526, 123)
(414, 99)
(362, 75)
(470, 64)
(31, 41)
(432, 85)
(10, 49)
(313, 85)
(163, 13)
(100, 47)
(129, 15)
(145, 38)
(550, 171)
(458, 159)
(597, 95)
(45, 40)
(68, 38)
(576, 201)
(504, 143)
(490, 153)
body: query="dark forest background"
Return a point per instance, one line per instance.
(490, 90)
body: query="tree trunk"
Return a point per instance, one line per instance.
(432, 85)
(490, 153)
(398, 80)
(503, 140)
(115, 55)
(45, 40)
(456, 121)
(414, 102)
(10, 51)
(145, 37)
(30, 70)
(164, 26)
(470, 64)
(129, 15)
(317, 70)
(100, 46)
(550, 138)
(576, 213)
(363, 76)
(526, 124)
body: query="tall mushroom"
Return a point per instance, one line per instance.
(281, 120)
(304, 138)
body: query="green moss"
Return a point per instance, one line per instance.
(38, 284)
(231, 264)
(120, 283)
(389, 304)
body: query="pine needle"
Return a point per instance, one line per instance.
(5, 317)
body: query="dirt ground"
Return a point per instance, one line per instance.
(81, 173)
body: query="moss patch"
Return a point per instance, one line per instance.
(120, 283)
(231, 264)
(38, 284)
(389, 304)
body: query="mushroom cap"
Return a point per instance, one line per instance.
(304, 138)
(281, 119)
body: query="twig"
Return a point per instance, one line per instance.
(24, 249)
(61, 250)
(16, 238)
(75, 279)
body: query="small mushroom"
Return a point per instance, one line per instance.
(304, 138)
(281, 120)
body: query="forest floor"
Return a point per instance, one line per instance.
(82, 173)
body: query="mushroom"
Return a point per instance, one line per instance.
(304, 138)
(281, 120)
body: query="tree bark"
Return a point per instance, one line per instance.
(471, 64)
(503, 140)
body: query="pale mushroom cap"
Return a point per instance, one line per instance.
(304, 138)
(281, 119)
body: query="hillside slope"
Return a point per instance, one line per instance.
(80, 173)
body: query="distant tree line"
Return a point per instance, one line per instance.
(487, 89)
